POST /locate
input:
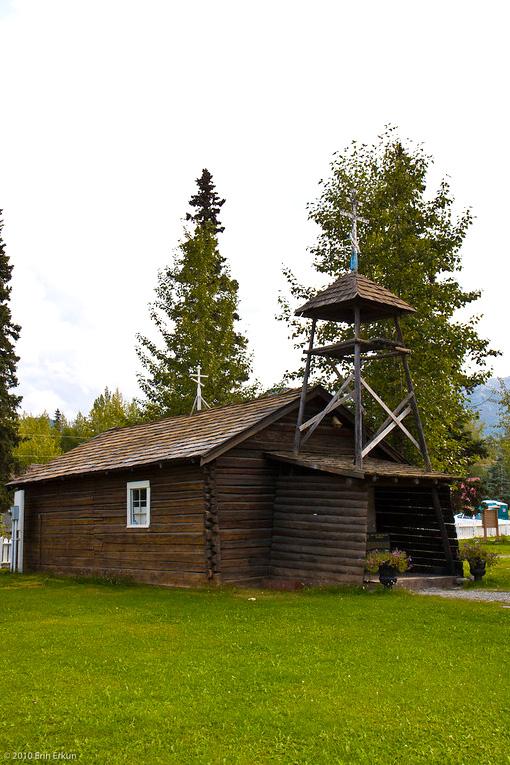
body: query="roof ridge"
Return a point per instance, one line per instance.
(196, 415)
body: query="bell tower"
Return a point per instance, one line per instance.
(357, 301)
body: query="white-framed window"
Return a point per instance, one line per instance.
(138, 505)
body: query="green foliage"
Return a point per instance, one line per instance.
(498, 576)
(40, 440)
(74, 432)
(43, 439)
(496, 480)
(9, 402)
(411, 245)
(397, 559)
(109, 410)
(473, 445)
(130, 675)
(195, 315)
(112, 410)
(5, 526)
(503, 438)
(495, 472)
(475, 550)
(207, 203)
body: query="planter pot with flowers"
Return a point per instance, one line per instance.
(478, 557)
(388, 564)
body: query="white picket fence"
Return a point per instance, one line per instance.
(5, 552)
(471, 527)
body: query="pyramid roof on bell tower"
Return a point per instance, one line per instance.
(352, 290)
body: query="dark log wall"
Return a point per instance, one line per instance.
(244, 492)
(329, 438)
(407, 514)
(320, 528)
(78, 526)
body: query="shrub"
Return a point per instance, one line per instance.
(473, 550)
(466, 496)
(397, 559)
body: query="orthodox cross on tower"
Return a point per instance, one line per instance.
(197, 377)
(353, 215)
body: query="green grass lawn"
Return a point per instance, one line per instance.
(498, 576)
(119, 674)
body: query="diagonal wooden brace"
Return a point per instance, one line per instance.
(382, 435)
(330, 408)
(396, 411)
(333, 404)
(392, 415)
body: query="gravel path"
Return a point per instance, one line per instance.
(488, 596)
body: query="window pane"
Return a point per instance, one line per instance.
(138, 507)
(140, 518)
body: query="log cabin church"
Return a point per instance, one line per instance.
(220, 496)
(285, 489)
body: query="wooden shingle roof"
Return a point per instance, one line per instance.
(183, 437)
(371, 467)
(337, 301)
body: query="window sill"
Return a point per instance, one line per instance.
(138, 526)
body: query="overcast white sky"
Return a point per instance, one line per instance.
(111, 108)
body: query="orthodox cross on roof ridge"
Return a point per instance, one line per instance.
(197, 377)
(353, 215)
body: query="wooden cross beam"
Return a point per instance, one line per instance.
(382, 435)
(335, 402)
(396, 411)
(390, 414)
(331, 407)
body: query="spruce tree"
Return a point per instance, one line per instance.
(412, 246)
(195, 314)
(207, 203)
(9, 334)
(496, 483)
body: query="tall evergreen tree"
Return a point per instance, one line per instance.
(496, 482)
(503, 430)
(207, 203)
(411, 245)
(9, 334)
(195, 315)
(58, 420)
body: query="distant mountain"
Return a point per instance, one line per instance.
(484, 400)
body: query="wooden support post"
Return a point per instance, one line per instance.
(358, 412)
(444, 534)
(302, 400)
(414, 404)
